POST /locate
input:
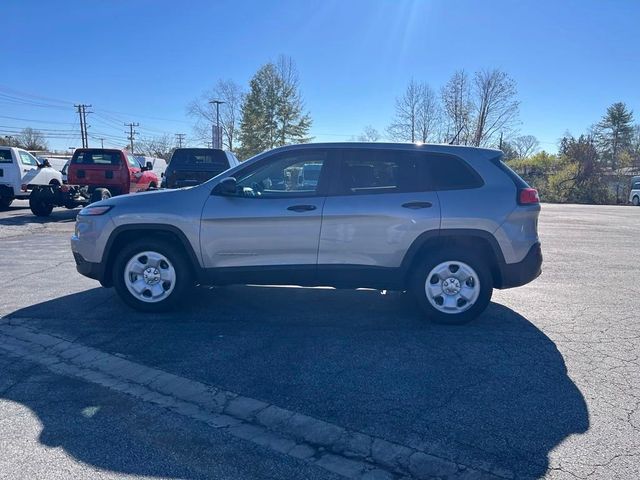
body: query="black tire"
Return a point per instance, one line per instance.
(177, 259)
(152, 186)
(419, 280)
(636, 201)
(39, 204)
(100, 194)
(5, 202)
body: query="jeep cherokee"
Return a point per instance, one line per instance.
(447, 223)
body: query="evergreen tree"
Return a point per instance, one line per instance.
(614, 133)
(272, 113)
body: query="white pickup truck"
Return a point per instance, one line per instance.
(634, 194)
(20, 172)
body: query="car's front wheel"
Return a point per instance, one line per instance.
(151, 275)
(636, 200)
(452, 286)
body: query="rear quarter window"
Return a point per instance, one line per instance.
(515, 178)
(448, 172)
(5, 156)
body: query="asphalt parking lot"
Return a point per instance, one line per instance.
(546, 383)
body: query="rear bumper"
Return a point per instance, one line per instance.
(521, 273)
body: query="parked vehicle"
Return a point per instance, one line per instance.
(447, 223)
(64, 171)
(634, 194)
(94, 174)
(20, 172)
(193, 166)
(159, 165)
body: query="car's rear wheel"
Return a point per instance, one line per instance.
(636, 200)
(40, 204)
(5, 202)
(151, 275)
(452, 286)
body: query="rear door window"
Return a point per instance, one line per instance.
(373, 171)
(5, 156)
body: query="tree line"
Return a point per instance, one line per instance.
(594, 167)
(29, 139)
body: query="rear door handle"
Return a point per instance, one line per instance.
(301, 208)
(417, 205)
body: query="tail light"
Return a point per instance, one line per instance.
(528, 196)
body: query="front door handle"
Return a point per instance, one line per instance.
(417, 205)
(301, 208)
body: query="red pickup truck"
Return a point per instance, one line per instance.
(94, 174)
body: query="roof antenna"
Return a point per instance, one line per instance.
(456, 137)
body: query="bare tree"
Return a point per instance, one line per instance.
(405, 125)
(495, 105)
(369, 134)
(456, 100)
(31, 139)
(160, 147)
(525, 145)
(429, 115)
(417, 116)
(230, 112)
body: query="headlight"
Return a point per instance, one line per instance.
(93, 211)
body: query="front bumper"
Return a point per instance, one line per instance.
(521, 273)
(89, 269)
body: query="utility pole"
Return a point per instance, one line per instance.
(132, 133)
(180, 138)
(500, 146)
(82, 113)
(101, 142)
(216, 140)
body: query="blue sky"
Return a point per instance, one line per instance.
(145, 60)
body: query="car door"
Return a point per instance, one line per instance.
(378, 205)
(272, 223)
(27, 162)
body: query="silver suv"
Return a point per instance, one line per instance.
(447, 223)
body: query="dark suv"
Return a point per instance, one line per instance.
(447, 223)
(193, 166)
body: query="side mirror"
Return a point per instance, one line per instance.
(148, 166)
(227, 186)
